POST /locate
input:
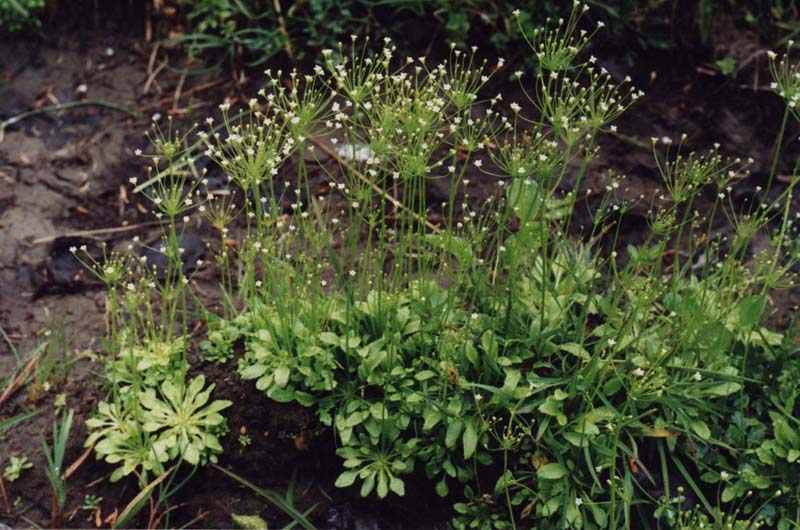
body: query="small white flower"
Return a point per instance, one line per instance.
(638, 372)
(697, 377)
(612, 342)
(474, 316)
(578, 501)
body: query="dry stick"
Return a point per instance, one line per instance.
(333, 154)
(152, 77)
(151, 61)
(193, 90)
(176, 98)
(4, 495)
(77, 463)
(285, 32)
(17, 383)
(92, 233)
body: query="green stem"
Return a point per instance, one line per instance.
(776, 156)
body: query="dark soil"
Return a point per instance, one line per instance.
(63, 181)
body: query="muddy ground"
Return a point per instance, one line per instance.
(63, 181)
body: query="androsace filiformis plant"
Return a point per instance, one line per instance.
(155, 413)
(502, 342)
(450, 336)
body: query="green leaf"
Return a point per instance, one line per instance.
(577, 439)
(701, 429)
(248, 522)
(552, 471)
(346, 479)
(253, 372)
(368, 485)
(397, 486)
(722, 389)
(489, 345)
(786, 436)
(432, 416)
(441, 488)
(378, 411)
(383, 486)
(424, 375)
(523, 198)
(513, 377)
(750, 310)
(551, 406)
(470, 440)
(727, 65)
(331, 339)
(551, 506)
(575, 349)
(728, 494)
(453, 431)
(282, 376)
(471, 352)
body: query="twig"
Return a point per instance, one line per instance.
(4, 495)
(92, 233)
(333, 154)
(77, 463)
(193, 90)
(62, 106)
(283, 30)
(152, 77)
(151, 61)
(176, 98)
(17, 383)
